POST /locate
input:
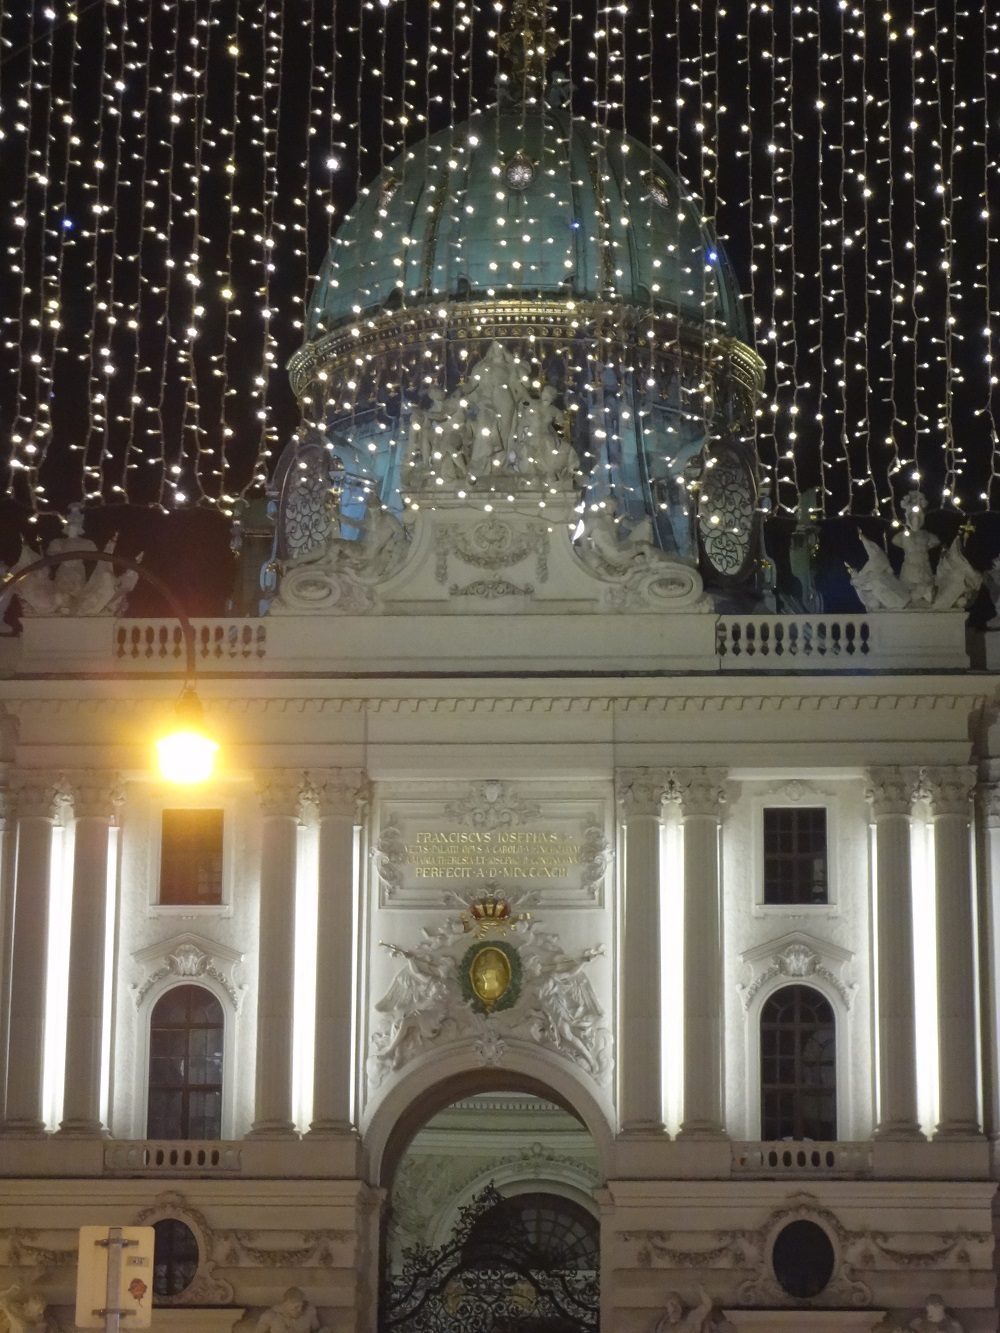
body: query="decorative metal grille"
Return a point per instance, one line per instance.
(489, 1278)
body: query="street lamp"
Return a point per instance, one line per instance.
(186, 755)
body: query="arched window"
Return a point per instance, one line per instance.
(537, 1231)
(798, 1076)
(185, 1065)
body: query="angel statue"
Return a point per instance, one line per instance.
(568, 1013)
(416, 1005)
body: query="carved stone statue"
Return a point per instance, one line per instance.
(441, 435)
(416, 1005)
(67, 590)
(935, 1318)
(340, 574)
(607, 544)
(541, 450)
(569, 1015)
(916, 545)
(699, 1319)
(497, 393)
(955, 580)
(25, 1311)
(875, 583)
(292, 1314)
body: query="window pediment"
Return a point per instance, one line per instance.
(797, 956)
(190, 956)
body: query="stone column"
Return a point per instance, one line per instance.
(989, 825)
(279, 804)
(890, 795)
(94, 804)
(8, 824)
(949, 791)
(640, 1044)
(339, 798)
(36, 804)
(701, 793)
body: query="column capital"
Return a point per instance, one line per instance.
(641, 791)
(337, 792)
(281, 792)
(95, 794)
(699, 791)
(39, 795)
(948, 790)
(891, 791)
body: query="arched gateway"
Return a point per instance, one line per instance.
(491, 1221)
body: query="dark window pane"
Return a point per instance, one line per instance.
(795, 869)
(175, 1257)
(191, 857)
(798, 1066)
(185, 1065)
(802, 1259)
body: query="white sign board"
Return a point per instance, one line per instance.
(132, 1294)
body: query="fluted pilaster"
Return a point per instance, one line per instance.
(95, 804)
(340, 798)
(640, 794)
(890, 793)
(701, 795)
(37, 803)
(279, 795)
(948, 792)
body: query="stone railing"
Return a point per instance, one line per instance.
(794, 643)
(801, 1159)
(168, 1158)
(160, 642)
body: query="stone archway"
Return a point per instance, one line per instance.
(491, 1222)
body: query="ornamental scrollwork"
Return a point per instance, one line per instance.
(492, 805)
(491, 545)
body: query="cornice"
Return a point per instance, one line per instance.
(309, 705)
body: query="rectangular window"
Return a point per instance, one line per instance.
(191, 858)
(795, 868)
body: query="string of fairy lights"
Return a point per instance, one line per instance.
(177, 172)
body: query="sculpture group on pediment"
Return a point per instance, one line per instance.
(921, 584)
(431, 1000)
(68, 589)
(340, 574)
(494, 424)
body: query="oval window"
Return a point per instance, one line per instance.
(802, 1259)
(175, 1257)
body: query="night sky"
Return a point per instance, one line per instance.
(173, 172)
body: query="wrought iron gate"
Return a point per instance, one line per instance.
(488, 1279)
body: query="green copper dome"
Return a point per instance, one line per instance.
(518, 202)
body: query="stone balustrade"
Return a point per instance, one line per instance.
(799, 1159)
(172, 1157)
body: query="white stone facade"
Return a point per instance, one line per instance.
(621, 764)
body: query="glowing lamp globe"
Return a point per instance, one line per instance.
(187, 754)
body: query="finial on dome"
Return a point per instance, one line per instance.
(529, 42)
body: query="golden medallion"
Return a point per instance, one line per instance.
(489, 975)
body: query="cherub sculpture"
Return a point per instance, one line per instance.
(292, 1314)
(25, 1311)
(935, 1318)
(699, 1319)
